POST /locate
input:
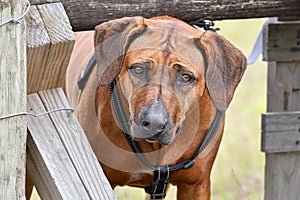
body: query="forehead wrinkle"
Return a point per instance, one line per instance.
(166, 54)
(170, 39)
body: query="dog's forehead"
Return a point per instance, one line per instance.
(170, 38)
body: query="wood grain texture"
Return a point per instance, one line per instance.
(282, 176)
(38, 45)
(85, 15)
(35, 28)
(281, 132)
(49, 165)
(284, 86)
(282, 41)
(282, 170)
(50, 43)
(56, 22)
(12, 100)
(62, 41)
(77, 146)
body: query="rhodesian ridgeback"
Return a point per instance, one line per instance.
(153, 106)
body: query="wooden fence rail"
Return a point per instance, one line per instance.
(84, 15)
(280, 132)
(49, 45)
(60, 160)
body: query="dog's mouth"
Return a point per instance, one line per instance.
(166, 137)
(165, 141)
(162, 140)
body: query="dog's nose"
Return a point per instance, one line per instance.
(155, 121)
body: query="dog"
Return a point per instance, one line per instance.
(170, 81)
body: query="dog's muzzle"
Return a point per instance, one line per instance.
(154, 124)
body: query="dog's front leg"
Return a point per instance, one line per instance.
(196, 191)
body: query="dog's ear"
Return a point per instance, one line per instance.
(225, 66)
(112, 40)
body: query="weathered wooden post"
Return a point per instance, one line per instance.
(13, 130)
(281, 130)
(60, 160)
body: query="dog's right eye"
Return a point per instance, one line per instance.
(138, 71)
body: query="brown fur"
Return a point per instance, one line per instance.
(206, 55)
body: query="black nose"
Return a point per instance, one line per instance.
(155, 121)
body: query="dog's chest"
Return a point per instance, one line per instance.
(140, 180)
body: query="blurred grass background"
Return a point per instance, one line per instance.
(238, 172)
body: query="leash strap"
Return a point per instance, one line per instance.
(123, 123)
(84, 76)
(160, 181)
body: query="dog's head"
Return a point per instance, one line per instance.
(163, 66)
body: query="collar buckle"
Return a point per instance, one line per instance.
(206, 24)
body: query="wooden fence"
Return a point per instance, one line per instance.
(281, 125)
(60, 161)
(12, 100)
(59, 154)
(84, 15)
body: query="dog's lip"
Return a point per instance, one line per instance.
(151, 140)
(160, 138)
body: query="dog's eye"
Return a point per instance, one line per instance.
(185, 79)
(137, 70)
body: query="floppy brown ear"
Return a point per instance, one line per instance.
(111, 41)
(225, 67)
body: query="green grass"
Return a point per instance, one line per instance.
(238, 173)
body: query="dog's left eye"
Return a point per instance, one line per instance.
(185, 79)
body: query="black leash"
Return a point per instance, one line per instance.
(161, 173)
(84, 75)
